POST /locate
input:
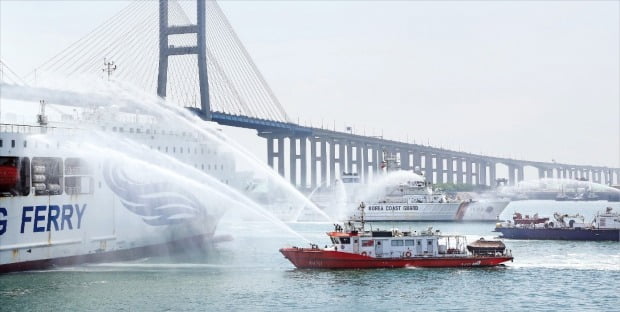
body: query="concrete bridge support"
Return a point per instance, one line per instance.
(450, 170)
(459, 170)
(468, 172)
(428, 167)
(492, 174)
(511, 175)
(439, 169)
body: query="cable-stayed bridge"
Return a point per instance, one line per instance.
(189, 53)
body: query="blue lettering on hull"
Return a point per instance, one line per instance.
(46, 218)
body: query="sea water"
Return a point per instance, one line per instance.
(248, 273)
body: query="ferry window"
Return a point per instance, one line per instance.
(174, 149)
(121, 129)
(14, 176)
(430, 242)
(79, 185)
(396, 243)
(47, 175)
(419, 243)
(77, 166)
(345, 240)
(25, 143)
(138, 130)
(367, 243)
(0, 143)
(12, 143)
(409, 242)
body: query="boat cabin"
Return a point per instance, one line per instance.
(396, 244)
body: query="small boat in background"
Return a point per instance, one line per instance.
(604, 227)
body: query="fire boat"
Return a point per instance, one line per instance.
(354, 247)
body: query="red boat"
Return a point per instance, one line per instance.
(519, 219)
(355, 248)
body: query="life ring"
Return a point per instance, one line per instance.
(364, 253)
(408, 254)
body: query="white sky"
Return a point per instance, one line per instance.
(536, 80)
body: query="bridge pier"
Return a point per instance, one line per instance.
(450, 170)
(468, 171)
(439, 166)
(459, 170)
(428, 167)
(492, 174)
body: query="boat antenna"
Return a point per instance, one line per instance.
(41, 117)
(108, 67)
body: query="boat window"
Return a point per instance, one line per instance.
(409, 242)
(77, 166)
(14, 176)
(25, 143)
(419, 243)
(334, 240)
(368, 243)
(47, 175)
(78, 177)
(397, 242)
(345, 240)
(12, 143)
(0, 143)
(429, 242)
(79, 185)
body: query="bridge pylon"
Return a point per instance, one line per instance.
(200, 50)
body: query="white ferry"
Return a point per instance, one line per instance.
(61, 206)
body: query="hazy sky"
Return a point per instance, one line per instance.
(536, 80)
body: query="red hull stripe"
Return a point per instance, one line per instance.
(327, 259)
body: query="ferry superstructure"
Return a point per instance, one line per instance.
(59, 207)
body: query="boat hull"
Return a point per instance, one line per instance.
(308, 258)
(561, 234)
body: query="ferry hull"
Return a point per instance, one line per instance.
(561, 234)
(308, 258)
(177, 246)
